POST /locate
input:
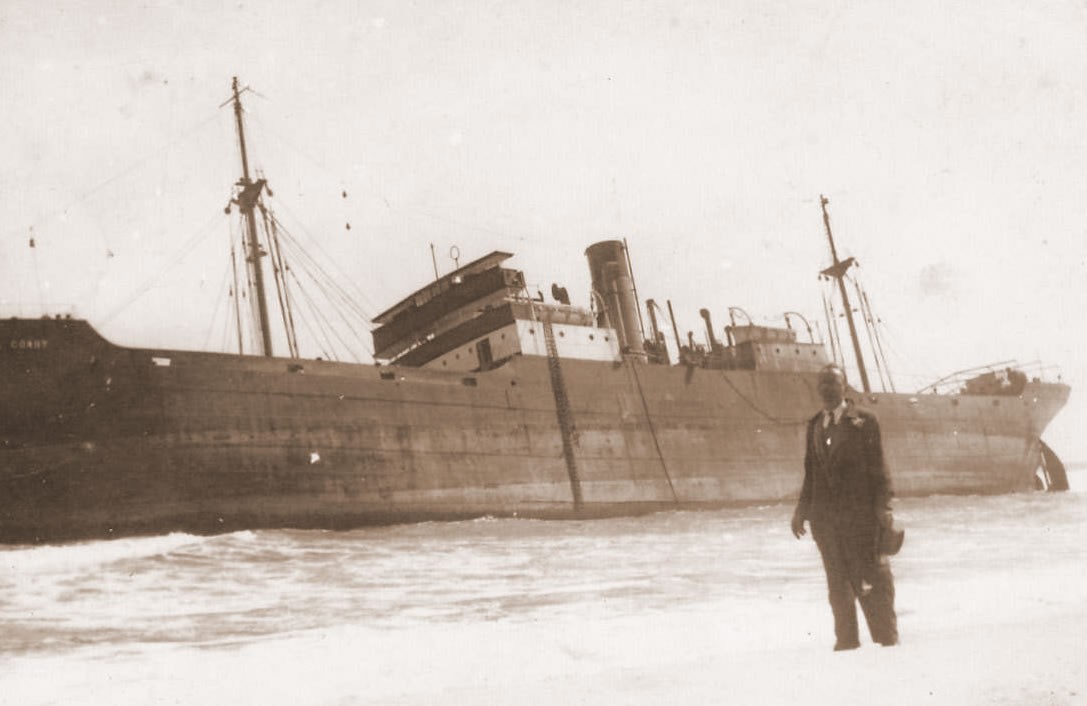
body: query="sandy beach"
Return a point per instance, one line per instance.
(991, 601)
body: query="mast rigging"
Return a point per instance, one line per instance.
(247, 199)
(837, 271)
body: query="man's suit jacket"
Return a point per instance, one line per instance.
(847, 488)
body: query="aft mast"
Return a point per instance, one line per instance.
(247, 200)
(837, 271)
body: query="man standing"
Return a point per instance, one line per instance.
(846, 497)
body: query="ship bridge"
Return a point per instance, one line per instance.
(480, 315)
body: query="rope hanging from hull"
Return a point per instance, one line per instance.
(652, 429)
(562, 410)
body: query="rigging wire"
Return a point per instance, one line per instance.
(328, 285)
(254, 119)
(876, 323)
(320, 274)
(323, 340)
(236, 296)
(831, 328)
(918, 378)
(880, 330)
(323, 318)
(423, 214)
(326, 333)
(280, 282)
(224, 342)
(282, 265)
(218, 307)
(345, 303)
(333, 292)
(347, 324)
(316, 244)
(832, 323)
(179, 255)
(868, 326)
(128, 169)
(253, 313)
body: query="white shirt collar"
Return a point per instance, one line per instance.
(837, 413)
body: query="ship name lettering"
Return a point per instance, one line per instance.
(28, 344)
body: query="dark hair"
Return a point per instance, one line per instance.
(832, 368)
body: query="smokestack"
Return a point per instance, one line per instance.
(610, 270)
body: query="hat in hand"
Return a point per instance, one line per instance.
(890, 540)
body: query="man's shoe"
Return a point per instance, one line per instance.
(843, 646)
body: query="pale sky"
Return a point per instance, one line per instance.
(951, 139)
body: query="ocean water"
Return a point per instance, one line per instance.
(494, 610)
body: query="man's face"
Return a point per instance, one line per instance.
(831, 388)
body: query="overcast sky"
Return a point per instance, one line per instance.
(950, 139)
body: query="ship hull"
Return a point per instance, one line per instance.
(100, 440)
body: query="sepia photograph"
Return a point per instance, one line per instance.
(543, 352)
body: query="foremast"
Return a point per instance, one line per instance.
(246, 200)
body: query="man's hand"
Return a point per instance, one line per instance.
(798, 524)
(885, 518)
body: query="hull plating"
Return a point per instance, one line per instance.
(98, 440)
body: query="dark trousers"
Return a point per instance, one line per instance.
(856, 574)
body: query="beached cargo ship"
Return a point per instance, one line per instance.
(487, 401)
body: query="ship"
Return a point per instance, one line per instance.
(482, 400)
